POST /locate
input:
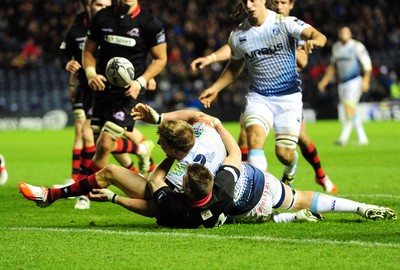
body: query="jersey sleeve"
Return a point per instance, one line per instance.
(94, 31)
(235, 53)
(363, 56)
(294, 26)
(154, 32)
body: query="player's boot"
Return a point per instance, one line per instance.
(3, 171)
(144, 158)
(82, 203)
(327, 184)
(36, 194)
(375, 212)
(305, 215)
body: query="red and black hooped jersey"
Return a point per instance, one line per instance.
(130, 36)
(177, 212)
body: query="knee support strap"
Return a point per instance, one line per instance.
(286, 141)
(79, 114)
(114, 130)
(255, 120)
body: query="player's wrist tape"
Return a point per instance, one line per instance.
(160, 119)
(114, 198)
(216, 122)
(90, 72)
(142, 82)
(212, 58)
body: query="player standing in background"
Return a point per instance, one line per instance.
(128, 31)
(348, 57)
(266, 43)
(3, 171)
(307, 146)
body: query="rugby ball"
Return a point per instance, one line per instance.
(120, 71)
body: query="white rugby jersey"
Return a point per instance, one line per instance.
(348, 57)
(269, 51)
(209, 150)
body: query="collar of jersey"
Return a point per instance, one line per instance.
(135, 12)
(201, 202)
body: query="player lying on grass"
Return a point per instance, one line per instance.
(252, 190)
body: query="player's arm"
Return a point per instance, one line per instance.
(95, 81)
(157, 178)
(229, 75)
(220, 55)
(73, 81)
(328, 76)
(366, 63)
(234, 156)
(301, 58)
(313, 38)
(147, 114)
(159, 55)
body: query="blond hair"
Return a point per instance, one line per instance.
(177, 134)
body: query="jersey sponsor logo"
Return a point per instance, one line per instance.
(123, 41)
(160, 37)
(180, 169)
(107, 30)
(264, 51)
(134, 32)
(299, 22)
(120, 115)
(200, 159)
(206, 214)
(242, 39)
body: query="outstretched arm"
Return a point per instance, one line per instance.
(228, 76)
(220, 55)
(313, 38)
(149, 115)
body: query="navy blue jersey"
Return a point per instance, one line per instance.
(72, 45)
(177, 212)
(130, 36)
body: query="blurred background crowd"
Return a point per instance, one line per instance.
(32, 79)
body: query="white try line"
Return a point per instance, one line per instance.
(391, 196)
(206, 236)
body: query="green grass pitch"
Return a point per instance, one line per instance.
(109, 237)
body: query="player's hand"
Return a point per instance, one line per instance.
(146, 113)
(102, 195)
(321, 87)
(365, 86)
(97, 82)
(200, 63)
(207, 97)
(133, 89)
(151, 85)
(72, 66)
(309, 45)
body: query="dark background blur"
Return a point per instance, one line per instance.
(32, 80)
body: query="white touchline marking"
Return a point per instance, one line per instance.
(206, 236)
(392, 196)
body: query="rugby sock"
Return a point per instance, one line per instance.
(126, 146)
(152, 165)
(258, 159)
(362, 137)
(245, 152)
(87, 156)
(326, 203)
(346, 130)
(311, 155)
(82, 187)
(132, 168)
(283, 217)
(76, 163)
(290, 170)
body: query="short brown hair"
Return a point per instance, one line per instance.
(177, 134)
(200, 181)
